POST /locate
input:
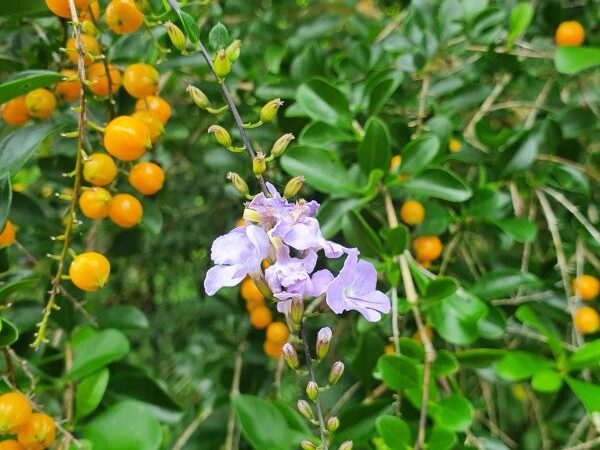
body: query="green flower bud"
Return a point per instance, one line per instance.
(198, 97)
(346, 446)
(221, 135)
(333, 423)
(305, 409)
(238, 183)
(233, 51)
(177, 37)
(281, 145)
(291, 356)
(323, 342)
(297, 312)
(269, 111)
(259, 165)
(312, 390)
(307, 445)
(293, 186)
(221, 64)
(336, 372)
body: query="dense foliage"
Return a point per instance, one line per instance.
(454, 143)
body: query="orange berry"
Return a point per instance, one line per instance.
(100, 169)
(11, 445)
(89, 271)
(389, 349)
(15, 410)
(570, 33)
(454, 145)
(140, 80)
(40, 103)
(395, 162)
(427, 248)
(250, 292)
(61, 7)
(157, 105)
(261, 317)
(94, 7)
(586, 320)
(98, 80)
(272, 350)
(277, 332)
(586, 287)
(91, 48)
(7, 236)
(122, 16)
(38, 433)
(428, 331)
(126, 210)
(153, 123)
(68, 90)
(147, 178)
(412, 213)
(95, 203)
(14, 111)
(127, 138)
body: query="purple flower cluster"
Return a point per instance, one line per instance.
(289, 234)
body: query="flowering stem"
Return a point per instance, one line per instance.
(311, 374)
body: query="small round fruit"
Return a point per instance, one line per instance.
(277, 332)
(91, 49)
(157, 105)
(14, 111)
(140, 80)
(271, 349)
(11, 445)
(94, 9)
(389, 349)
(412, 213)
(7, 236)
(68, 90)
(122, 16)
(40, 103)
(89, 271)
(15, 410)
(251, 294)
(38, 433)
(570, 33)
(95, 203)
(395, 162)
(261, 317)
(98, 80)
(587, 320)
(100, 169)
(427, 248)
(61, 7)
(147, 178)
(454, 145)
(153, 123)
(126, 210)
(127, 138)
(586, 287)
(428, 331)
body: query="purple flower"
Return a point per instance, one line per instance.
(355, 288)
(235, 255)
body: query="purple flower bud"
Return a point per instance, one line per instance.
(305, 409)
(307, 445)
(346, 446)
(336, 372)
(312, 390)
(291, 356)
(333, 423)
(323, 341)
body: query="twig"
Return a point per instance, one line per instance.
(505, 51)
(448, 251)
(539, 101)
(347, 395)
(581, 425)
(422, 103)
(235, 390)
(395, 329)
(537, 414)
(590, 172)
(585, 446)
(191, 428)
(387, 30)
(10, 368)
(68, 396)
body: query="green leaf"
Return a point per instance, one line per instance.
(395, 432)
(97, 351)
(8, 333)
(332, 211)
(23, 8)
(124, 426)
(444, 364)
(360, 234)
(123, 317)
(322, 169)
(27, 81)
(218, 38)
(263, 425)
(398, 372)
(502, 282)
(519, 20)
(440, 288)
(520, 229)
(190, 27)
(438, 183)
(517, 365)
(546, 380)
(17, 147)
(417, 154)
(322, 134)
(455, 318)
(571, 60)
(454, 412)
(396, 239)
(5, 199)
(586, 356)
(374, 150)
(152, 219)
(588, 393)
(522, 152)
(89, 393)
(322, 101)
(380, 88)
(441, 439)
(478, 358)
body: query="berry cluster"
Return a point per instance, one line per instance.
(33, 431)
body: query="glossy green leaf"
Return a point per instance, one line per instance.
(588, 393)
(17, 147)
(438, 183)
(322, 101)
(8, 333)
(374, 151)
(89, 392)
(454, 412)
(218, 38)
(455, 318)
(398, 372)
(123, 317)
(27, 81)
(322, 134)
(394, 431)
(417, 154)
(441, 439)
(546, 380)
(380, 88)
(517, 365)
(190, 27)
(23, 7)
(520, 229)
(479, 357)
(332, 211)
(5, 199)
(360, 234)
(572, 60)
(440, 288)
(97, 351)
(586, 356)
(518, 21)
(521, 154)
(396, 239)
(444, 364)
(502, 282)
